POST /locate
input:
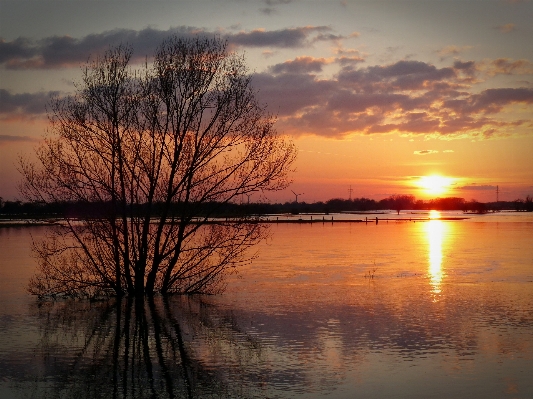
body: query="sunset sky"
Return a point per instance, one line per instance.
(375, 94)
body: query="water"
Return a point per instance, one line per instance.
(433, 309)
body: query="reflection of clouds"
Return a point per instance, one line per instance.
(197, 347)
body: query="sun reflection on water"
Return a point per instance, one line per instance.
(435, 230)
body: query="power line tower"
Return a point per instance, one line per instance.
(497, 194)
(350, 191)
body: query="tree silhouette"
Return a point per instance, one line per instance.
(152, 146)
(400, 201)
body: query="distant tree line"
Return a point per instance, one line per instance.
(19, 209)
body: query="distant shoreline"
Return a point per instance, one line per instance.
(324, 219)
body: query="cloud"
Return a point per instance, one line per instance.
(477, 187)
(6, 139)
(282, 38)
(287, 94)
(425, 152)
(490, 101)
(65, 51)
(402, 75)
(269, 10)
(446, 151)
(452, 50)
(24, 105)
(277, 2)
(410, 97)
(272, 4)
(507, 28)
(268, 53)
(348, 57)
(506, 66)
(300, 65)
(467, 67)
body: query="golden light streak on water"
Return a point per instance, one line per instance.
(435, 231)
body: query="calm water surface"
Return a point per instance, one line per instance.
(433, 309)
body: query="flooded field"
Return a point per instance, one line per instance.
(425, 309)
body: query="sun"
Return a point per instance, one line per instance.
(435, 184)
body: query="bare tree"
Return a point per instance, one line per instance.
(400, 201)
(153, 147)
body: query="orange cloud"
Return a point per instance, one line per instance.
(507, 66)
(452, 50)
(507, 28)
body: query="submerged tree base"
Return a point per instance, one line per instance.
(217, 250)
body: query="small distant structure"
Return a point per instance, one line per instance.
(350, 191)
(297, 195)
(249, 195)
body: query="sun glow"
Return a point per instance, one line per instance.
(435, 184)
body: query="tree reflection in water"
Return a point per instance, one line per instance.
(141, 349)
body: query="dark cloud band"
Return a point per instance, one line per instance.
(23, 105)
(6, 138)
(408, 96)
(65, 51)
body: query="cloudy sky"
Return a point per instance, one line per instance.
(376, 94)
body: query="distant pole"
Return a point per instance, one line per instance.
(497, 194)
(350, 190)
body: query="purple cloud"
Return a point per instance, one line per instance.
(25, 105)
(65, 51)
(283, 38)
(402, 75)
(490, 101)
(407, 96)
(299, 65)
(6, 139)
(411, 97)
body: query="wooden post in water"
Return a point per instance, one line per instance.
(376, 220)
